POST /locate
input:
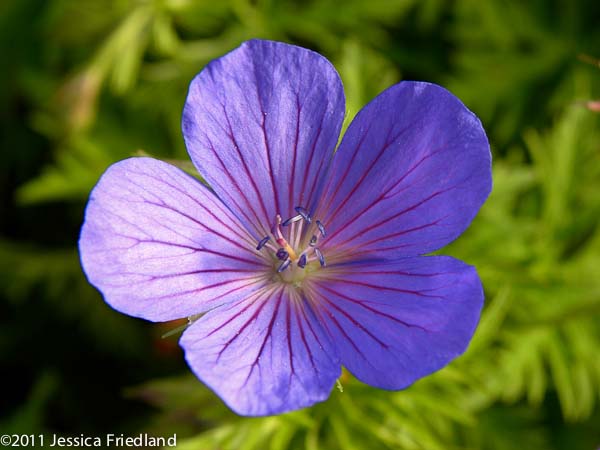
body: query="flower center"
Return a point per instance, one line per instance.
(287, 244)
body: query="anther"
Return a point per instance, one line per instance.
(320, 256)
(302, 261)
(284, 265)
(291, 220)
(321, 228)
(313, 241)
(262, 242)
(304, 213)
(282, 254)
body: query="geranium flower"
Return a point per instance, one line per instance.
(298, 261)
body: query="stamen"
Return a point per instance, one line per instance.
(284, 265)
(302, 261)
(262, 242)
(285, 243)
(304, 213)
(320, 256)
(297, 229)
(282, 254)
(321, 228)
(291, 220)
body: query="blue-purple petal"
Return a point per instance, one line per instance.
(411, 173)
(260, 124)
(159, 245)
(266, 354)
(395, 322)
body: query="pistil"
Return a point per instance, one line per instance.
(288, 249)
(282, 242)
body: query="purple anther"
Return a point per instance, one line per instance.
(302, 261)
(320, 256)
(284, 265)
(262, 242)
(282, 254)
(321, 228)
(291, 220)
(304, 213)
(313, 241)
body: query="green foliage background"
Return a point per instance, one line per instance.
(86, 83)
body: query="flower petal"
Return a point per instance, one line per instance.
(395, 322)
(160, 245)
(411, 173)
(260, 125)
(263, 355)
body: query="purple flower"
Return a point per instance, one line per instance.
(299, 260)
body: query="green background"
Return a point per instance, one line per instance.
(86, 83)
